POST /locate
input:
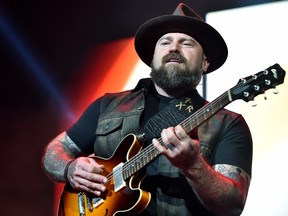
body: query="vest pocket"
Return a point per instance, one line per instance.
(108, 136)
(107, 126)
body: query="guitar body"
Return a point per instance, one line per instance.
(129, 200)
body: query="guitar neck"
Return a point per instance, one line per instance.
(150, 153)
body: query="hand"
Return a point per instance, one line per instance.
(85, 174)
(184, 151)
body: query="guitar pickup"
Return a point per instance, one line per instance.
(119, 182)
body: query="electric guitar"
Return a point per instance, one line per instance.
(123, 195)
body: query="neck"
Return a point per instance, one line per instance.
(172, 93)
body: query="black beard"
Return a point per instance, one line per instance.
(175, 78)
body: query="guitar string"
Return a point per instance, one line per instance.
(183, 123)
(200, 112)
(187, 122)
(150, 148)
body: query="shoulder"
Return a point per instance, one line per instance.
(229, 117)
(142, 86)
(119, 97)
(225, 113)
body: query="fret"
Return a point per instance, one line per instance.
(129, 171)
(207, 112)
(220, 104)
(136, 164)
(146, 159)
(212, 110)
(124, 173)
(197, 120)
(204, 114)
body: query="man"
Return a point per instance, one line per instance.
(203, 172)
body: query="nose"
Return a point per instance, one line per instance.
(174, 47)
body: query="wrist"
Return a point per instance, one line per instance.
(196, 168)
(66, 169)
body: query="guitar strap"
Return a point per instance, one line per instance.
(173, 114)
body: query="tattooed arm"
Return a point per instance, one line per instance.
(222, 189)
(238, 177)
(58, 155)
(63, 161)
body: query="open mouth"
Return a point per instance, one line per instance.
(173, 61)
(173, 58)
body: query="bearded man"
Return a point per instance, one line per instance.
(183, 170)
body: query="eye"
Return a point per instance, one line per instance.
(164, 42)
(187, 43)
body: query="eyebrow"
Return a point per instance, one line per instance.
(166, 38)
(170, 38)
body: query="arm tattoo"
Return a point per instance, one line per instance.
(69, 145)
(232, 172)
(237, 174)
(58, 155)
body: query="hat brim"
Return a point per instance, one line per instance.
(209, 38)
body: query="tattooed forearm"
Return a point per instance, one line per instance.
(222, 189)
(58, 156)
(236, 174)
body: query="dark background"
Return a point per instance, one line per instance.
(43, 44)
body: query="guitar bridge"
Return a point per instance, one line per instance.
(81, 204)
(119, 182)
(94, 202)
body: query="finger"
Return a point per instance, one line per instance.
(169, 138)
(89, 186)
(91, 166)
(164, 136)
(158, 146)
(165, 151)
(180, 133)
(92, 161)
(85, 170)
(185, 138)
(93, 177)
(96, 191)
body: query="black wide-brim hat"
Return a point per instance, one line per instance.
(183, 20)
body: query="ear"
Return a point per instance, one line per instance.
(205, 63)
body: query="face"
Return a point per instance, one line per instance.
(178, 62)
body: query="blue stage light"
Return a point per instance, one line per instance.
(35, 68)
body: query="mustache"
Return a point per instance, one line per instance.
(174, 56)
